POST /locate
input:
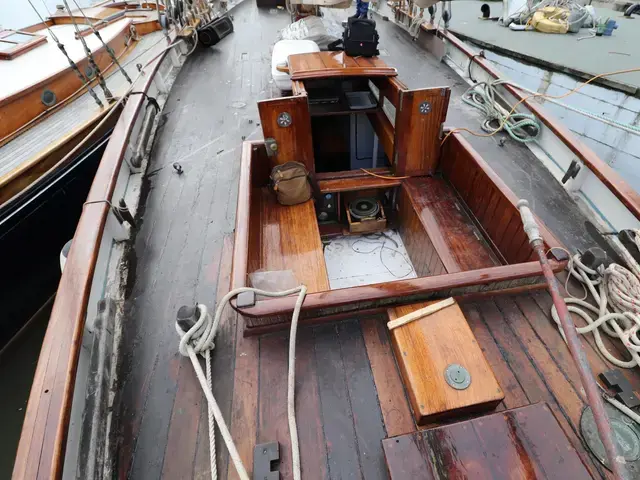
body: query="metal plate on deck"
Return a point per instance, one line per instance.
(626, 435)
(457, 376)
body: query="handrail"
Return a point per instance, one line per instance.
(43, 439)
(612, 179)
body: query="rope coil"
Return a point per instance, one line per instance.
(615, 291)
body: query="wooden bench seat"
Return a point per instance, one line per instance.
(286, 238)
(458, 242)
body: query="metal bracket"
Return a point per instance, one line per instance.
(266, 457)
(457, 376)
(571, 172)
(615, 380)
(272, 147)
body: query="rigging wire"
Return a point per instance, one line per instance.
(71, 62)
(92, 63)
(106, 46)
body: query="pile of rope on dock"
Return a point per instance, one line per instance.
(552, 16)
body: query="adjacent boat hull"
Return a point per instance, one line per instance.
(33, 230)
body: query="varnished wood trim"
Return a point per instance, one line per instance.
(306, 66)
(384, 130)
(43, 439)
(384, 171)
(21, 48)
(19, 180)
(549, 239)
(398, 292)
(239, 269)
(607, 175)
(358, 183)
(390, 88)
(297, 88)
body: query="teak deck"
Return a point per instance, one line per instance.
(524, 443)
(349, 391)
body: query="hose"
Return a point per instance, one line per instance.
(199, 340)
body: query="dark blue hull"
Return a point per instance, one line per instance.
(33, 230)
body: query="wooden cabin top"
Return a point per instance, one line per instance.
(306, 66)
(46, 60)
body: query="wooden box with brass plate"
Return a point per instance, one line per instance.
(443, 369)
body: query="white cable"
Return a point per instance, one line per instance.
(617, 305)
(199, 340)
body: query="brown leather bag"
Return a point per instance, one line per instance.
(291, 183)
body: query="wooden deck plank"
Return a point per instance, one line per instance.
(313, 449)
(531, 379)
(337, 416)
(514, 395)
(367, 417)
(222, 361)
(391, 394)
(272, 404)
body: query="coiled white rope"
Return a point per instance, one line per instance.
(199, 340)
(617, 305)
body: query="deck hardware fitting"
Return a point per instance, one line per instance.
(178, 168)
(48, 98)
(571, 172)
(266, 457)
(272, 146)
(425, 107)
(457, 376)
(284, 120)
(616, 381)
(627, 434)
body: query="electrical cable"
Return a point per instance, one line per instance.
(380, 247)
(383, 176)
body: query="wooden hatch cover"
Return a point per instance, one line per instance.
(436, 351)
(304, 66)
(525, 443)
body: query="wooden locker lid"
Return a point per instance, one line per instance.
(425, 348)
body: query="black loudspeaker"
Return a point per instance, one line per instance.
(327, 207)
(213, 32)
